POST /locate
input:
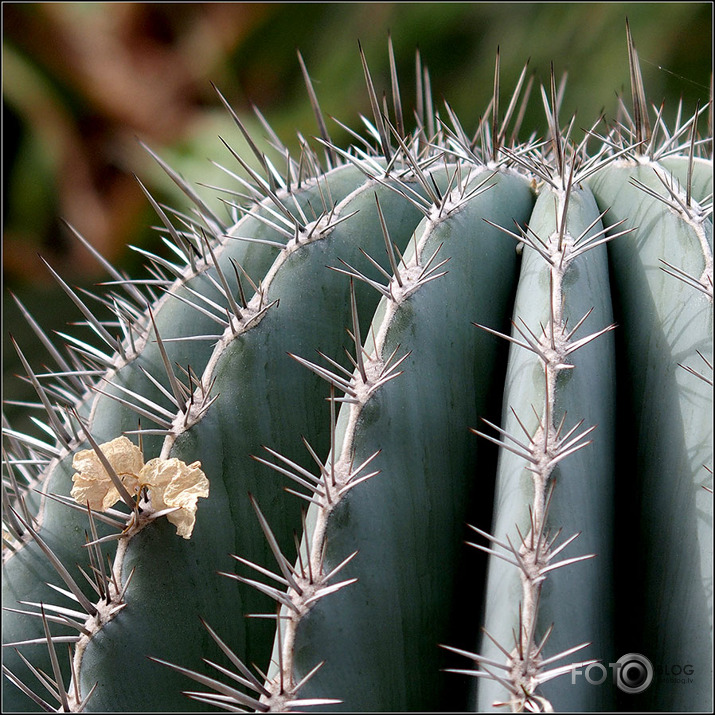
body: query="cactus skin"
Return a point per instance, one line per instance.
(668, 323)
(577, 383)
(368, 584)
(173, 318)
(444, 386)
(310, 312)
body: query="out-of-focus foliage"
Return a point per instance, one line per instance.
(81, 81)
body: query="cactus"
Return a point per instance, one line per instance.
(385, 351)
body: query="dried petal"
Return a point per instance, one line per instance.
(173, 483)
(92, 484)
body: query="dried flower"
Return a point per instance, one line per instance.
(92, 483)
(171, 483)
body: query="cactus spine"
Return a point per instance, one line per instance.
(351, 591)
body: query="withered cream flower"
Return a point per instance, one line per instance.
(171, 483)
(92, 484)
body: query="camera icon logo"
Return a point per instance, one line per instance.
(633, 673)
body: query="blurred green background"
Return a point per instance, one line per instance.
(83, 81)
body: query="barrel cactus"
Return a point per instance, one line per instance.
(260, 492)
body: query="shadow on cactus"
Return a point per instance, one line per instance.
(263, 479)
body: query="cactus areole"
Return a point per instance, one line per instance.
(420, 424)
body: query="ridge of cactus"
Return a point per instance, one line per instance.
(279, 446)
(402, 334)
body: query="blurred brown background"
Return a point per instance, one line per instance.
(83, 81)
